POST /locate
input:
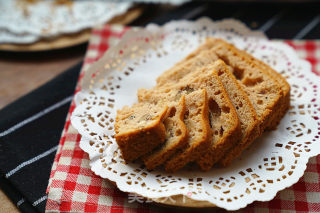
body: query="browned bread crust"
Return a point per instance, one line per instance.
(248, 118)
(224, 123)
(198, 59)
(284, 104)
(274, 86)
(240, 95)
(264, 92)
(176, 132)
(139, 129)
(276, 90)
(196, 120)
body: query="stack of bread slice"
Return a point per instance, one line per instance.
(207, 109)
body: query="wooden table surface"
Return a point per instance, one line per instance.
(21, 73)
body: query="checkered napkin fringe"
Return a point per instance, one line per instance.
(74, 188)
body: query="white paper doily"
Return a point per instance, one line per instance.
(275, 161)
(173, 2)
(22, 21)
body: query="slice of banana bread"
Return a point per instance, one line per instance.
(197, 123)
(284, 104)
(224, 123)
(248, 118)
(198, 59)
(176, 131)
(139, 129)
(264, 91)
(271, 99)
(268, 91)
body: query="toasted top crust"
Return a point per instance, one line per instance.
(130, 120)
(262, 88)
(248, 118)
(239, 99)
(196, 120)
(277, 76)
(176, 134)
(222, 114)
(224, 121)
(283, 104)
(204, 77)
(194, 61)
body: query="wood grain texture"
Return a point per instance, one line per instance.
(6, 204)
(23, 73)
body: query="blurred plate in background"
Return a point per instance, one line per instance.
(70, 39)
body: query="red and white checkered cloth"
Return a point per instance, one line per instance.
(74, 188)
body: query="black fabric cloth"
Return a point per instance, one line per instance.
(25, 180)
(38, 138)
(16, 196)
(278, 20)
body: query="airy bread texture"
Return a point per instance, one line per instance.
(198, 59)
(207, 108)
(264, 91)
(223, 119)
(176, 131)
(268, 91)
(139, 129)
(284, 104)
(249, 121)
(196, 120)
